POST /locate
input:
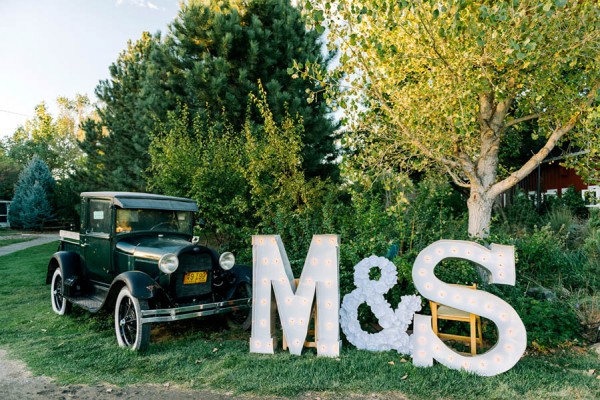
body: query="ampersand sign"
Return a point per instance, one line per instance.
(394, 323)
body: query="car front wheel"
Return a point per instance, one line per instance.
(131, 333)
(241, 319)
(60, 305)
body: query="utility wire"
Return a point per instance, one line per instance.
(16, 113)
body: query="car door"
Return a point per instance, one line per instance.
(97, 241)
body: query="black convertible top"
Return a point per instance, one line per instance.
(134, 200)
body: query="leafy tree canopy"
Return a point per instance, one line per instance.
(10, 173)
(53, 140)
(443, 84)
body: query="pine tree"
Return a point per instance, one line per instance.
(211, 59)
(31, 204)
(215, 56)
(116, 145)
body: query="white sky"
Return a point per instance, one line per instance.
(52, 48)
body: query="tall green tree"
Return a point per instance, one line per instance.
(116, 143)
(9, 174)
(53, 139)
(440, 84)
(216, 53)
(210, 60)
(31, 204)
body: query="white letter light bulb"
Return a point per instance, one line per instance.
(512, 337)
(271, 267)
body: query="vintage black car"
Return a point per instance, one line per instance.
(136, 252)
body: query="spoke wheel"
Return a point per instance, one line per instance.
(243, 318)
(130, 331)
(60, 305)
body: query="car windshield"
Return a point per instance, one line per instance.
(136, 220)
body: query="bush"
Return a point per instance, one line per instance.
(541, 257)
(521, 215)
(591, 248)
(561, 220)
(548, 323)
(573, 200)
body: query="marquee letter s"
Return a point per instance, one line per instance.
(512, 337)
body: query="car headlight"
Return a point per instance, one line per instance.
(168, 263)
(227, 260)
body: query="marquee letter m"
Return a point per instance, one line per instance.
(320, 278)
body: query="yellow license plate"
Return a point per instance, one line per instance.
(195, 277)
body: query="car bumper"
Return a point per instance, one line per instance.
(199, 310)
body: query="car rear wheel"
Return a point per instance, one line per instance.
(60, 304)
(241, 319)
(131, 333)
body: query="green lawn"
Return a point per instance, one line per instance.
(6, 232)
(81, 348)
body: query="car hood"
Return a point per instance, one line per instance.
(151, 247)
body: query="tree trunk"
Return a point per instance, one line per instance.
(480, 213)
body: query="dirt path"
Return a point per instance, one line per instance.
(39, 238)
(17, 383)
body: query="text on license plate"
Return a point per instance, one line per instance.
(195, 277)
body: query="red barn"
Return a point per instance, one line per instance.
(552, 179)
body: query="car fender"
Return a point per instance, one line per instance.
(67, 261)
(243, 274)
(139, 283)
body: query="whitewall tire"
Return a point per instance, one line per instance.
(60, 305)
(130, 331)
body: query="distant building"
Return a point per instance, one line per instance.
(552, 179)
(4, 206)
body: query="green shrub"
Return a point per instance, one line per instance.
(521, 215)
(561, 220)
(460, 272)
(548, 323)
(573, 200)
(436, 211)
(591, 243)
(541, 256)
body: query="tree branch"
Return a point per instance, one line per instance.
(500, 113)
(469, 169)
(517, 121)
(457, 180)
(537, 158)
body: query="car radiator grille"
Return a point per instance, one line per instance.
(191, 262)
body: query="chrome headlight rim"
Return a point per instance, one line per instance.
(168, 263)
(227, 260)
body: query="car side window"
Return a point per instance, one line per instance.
(99, 216)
